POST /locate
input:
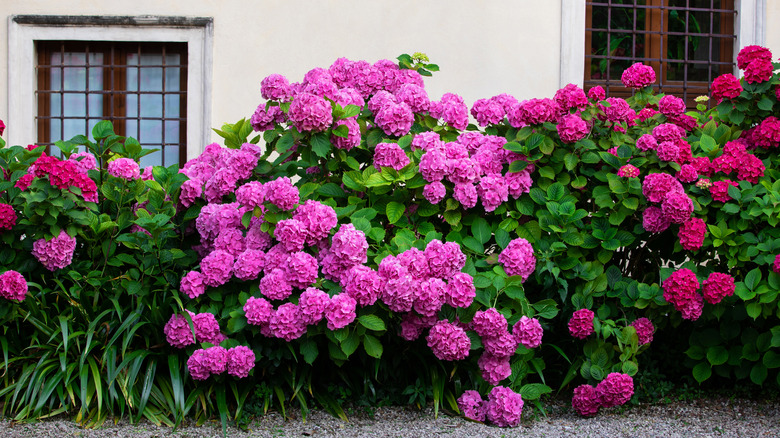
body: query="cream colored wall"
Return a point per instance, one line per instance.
(772, 30)
(483, 47)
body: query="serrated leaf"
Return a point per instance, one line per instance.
(394, 211)
(533, 391)
(309, 351)
(702, 371)
(372, 322)
(372, 346)
(717, 355)
(320, 144)
(332, 190)
(481, 230)
(474, 245)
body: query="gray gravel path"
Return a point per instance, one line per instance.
(698, 418)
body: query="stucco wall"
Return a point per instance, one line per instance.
(483, 47)
(772, 29)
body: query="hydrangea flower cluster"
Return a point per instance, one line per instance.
(237, 361)
(528, 332)
(718, 286)
(581, 323)
(448, 341)
(62, 174)
(691, 233)
(680, 290)
(503, 407)
(615, 390)
(178, 333)
(518, 258)
(56, 253)
(472, 405)
(13, 286)
(638, 76)
(125, 168)
(7, 217)
(644, 330)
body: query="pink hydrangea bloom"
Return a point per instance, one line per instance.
(628, 171)
(692, 233)
(7, 217)
(379, 100)
(399, 292)
(644, 330)
(318, 220)
(749, 54)
(638, 76)
(581, 323)
(230, 240)
(412, 325)
(84, 161)
(282, 193)
(667, 151)
(493, 191)
(518, 182)
(571, 96)
(487, 111)
(680, 290)
(597, 93)
(667, 132)
(646, 142)
(240, 361)
(430, 296)
(687, 173)
(249, 264)
(258, 311)
(341, 311)
(291, 233)
(460, 290)
(309, 112)
(472, 406)
(275, 285)
(394, 118)
(751, 169)
(220, 184)
(24, 182)
(191, 190)
(518, 258)
(654, 220)
(533, 112)
(725, 86)
(275, 87)
(125, 168)
(462, 170)
(645, 113)
(759, 70)
(265, 117)
(13, 286)
(428, 140)
(192, 284)
(217, 268)
(452, 110)
(444, 259)
(504, 344)
(448, 341)
(720, 190)
(528, 331)
(353, 134)
(494, 369)
(301, 270)
(489, 323)
(390, 155)
(615, 390)
(618, 110)
(415, 262)
(415, 96)
(251, 194)
(572, 128)
(585, 400)
(256, 238)
(287, 322)
(670, 105)
(206, 328)
(197, 365)
(776, 264)
(313, 303)
(433, 165)
(718, 286)
(178, 332)
(677, 206)
(434, 192)
(504, 407)
(656, 186)
(56, 253)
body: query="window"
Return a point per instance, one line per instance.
(139, 87)
(687, 42)
(150, 75)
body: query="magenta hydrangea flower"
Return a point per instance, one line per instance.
(646, 142)
(487, 111)
(528, 332)
(309, 112)
(282, 193)
(448, 341)
(291, 233)
(667, 151)
(504, 407)
(628, 171)
(533, 112)
(680, 290)
(494, 368)
(207, 328)
(390, 155)
(13, 286)
(597, 93)
(687, 173)
(489, 323)
(84, 161)
(518, 258)
(759, 70)
(644, 330)
(434, 192)
(460, 290)
(341, 311)
(192, 284)
(249, 264)
(656, 186)
(230, 240)
(581, 323)
(301, 270)
(217, 268)
(720, 190)
(275, 285)
(751, 53)
(776, 264)
(615, 390)
(251, 194)
(287, 322)
(275, 87)
(618, 110)
(493, 191)
(461, 169)
(191, 190)
(452, 110)
(444, 259)
(7, 217)
(472, 406)
(416, 263)
(466, 194)
(266, 117)
(430, 296)
(240, 361)
(518, 182)
(415, 96)
(585, 400)
(638, 76)
(318, 220)
(258, 311)
(718, 286)
(56, 253)
(677, 206)
(427, 140)
(504, 344)
(571, 96)
(433, 165)
(671, 105)
(197, 365)
(654, 220)
(363, 284)
(725, 86)
(178, 332)
(667, 132)
(125, 168)
(572, 128)
(353, 134)
(691, 233)
(313, 303)
(394, 118)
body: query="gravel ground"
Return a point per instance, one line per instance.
(698, 418)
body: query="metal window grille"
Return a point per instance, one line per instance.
(139, 87)
(687, 42)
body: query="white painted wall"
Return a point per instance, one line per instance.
(483, 47)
